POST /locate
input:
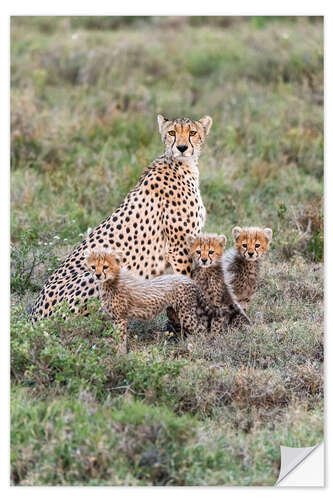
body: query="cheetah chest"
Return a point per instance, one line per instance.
(247, 283)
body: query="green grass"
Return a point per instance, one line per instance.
(201, 411)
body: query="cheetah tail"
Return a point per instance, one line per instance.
(243, 313)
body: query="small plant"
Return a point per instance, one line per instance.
(62, 351)
(26, 258)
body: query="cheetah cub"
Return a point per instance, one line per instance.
(206, 251)
(123, 296)
(241, 264)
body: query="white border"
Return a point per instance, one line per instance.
(170, 7)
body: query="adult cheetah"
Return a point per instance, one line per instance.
(150, 227)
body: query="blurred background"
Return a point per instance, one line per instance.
(85, 94)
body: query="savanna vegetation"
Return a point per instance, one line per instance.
(85, 92)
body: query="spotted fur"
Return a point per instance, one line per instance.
(149, 227)
(241, 264)
(206, 251)
(123, 296)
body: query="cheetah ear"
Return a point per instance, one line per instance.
(161, 120)
(222, 240)
(206, 122)
(190, 240)
(86, 254)
(236, 232)
(119, 256)
(268, 233)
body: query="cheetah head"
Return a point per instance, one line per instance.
(104, 264)
(252, 242)
(183, 137)
(206, 250)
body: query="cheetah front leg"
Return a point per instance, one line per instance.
(190, 320)
(218, 325)
(244, 304)
(122, 323)
(195, 325)
(181, 263)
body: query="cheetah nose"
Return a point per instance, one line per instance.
(204, 261)
(182, 148)
(98, 275)
(250, 254)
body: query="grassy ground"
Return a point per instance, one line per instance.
(201, 411)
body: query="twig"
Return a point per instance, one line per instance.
(308, 230)
(127, 387)
(295, 220)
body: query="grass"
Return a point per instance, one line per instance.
(201, 411)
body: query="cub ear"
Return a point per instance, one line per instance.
(161, 120)
(190, 240)
(236, 232)
(206, 122)
(222, 240)
(268, 233)
(86, 254)
(119, 256)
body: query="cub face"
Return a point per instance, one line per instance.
(207, 249)
(104, 265)
(252, 242)
(183, 137)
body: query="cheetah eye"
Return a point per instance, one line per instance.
(193, 132)
(199, 252)
(244, 245)
(211, 252)
(105, 267)
(93, 268)
(172, 132)
(257, 245)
